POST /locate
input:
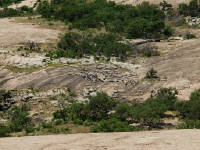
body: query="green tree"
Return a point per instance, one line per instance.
(100, 105)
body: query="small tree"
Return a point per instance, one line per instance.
(100, 105)
(151, 74)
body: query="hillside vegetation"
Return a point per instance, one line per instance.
(117, 21)
(106, 114)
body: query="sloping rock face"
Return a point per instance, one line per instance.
(29, 3)
(136, 2)
(178, 66)
(149, 140)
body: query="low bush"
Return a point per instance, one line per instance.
(19, 118)
(105, 114)
(147, 50)
(112, 125)
(5, 100)
(151, 74)
(190, 109)
(10, 12)
(190, 36)
(190, 124)
(29, 129)
(4, 131)
(100, 106)
(77, 45)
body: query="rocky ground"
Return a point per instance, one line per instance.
(178, 66)
(150, 140)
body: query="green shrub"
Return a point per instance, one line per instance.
(190, 109)
(168, 30)
(190, 124)
(142, 27)
(112, 125)
(5, 97)
(123, 111)
(19, 118)
(29, 129)
(9, 12)
(96, 109)
(55, 54)
(26, 9)
(61, 114)
(47, 125)
(58, 122)
(4, 131)
(77, 45)
(100, 105)
(190, 36)
(151, 74)
(105, 114)
(77, 112)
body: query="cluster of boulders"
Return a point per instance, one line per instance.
(31, 95)
(192, 21)
(5, 104)
(110, 73)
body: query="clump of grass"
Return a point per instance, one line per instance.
(16, 69)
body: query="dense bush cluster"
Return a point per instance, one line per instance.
(191, 9)
(77, 45)
(10, 12)
(19, 120)
(102, 113)
(145, 20)
(106, 114)
(190, 109)
(190, 112)
(5, 100)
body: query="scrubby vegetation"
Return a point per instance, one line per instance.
(102, 25)
(190, 36)
(191, 9)
(18, 120)
(145, 20)
(110, 24)
(10, 12)
(103, 113)
(151, 74)
(76, 45)
(146, 50)
(5, 100)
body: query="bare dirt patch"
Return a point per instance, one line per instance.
(15, 33)
(181, 66)
(151, 140)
